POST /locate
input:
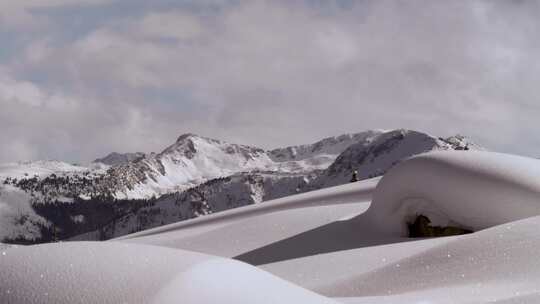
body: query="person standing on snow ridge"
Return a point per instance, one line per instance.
(354, 177)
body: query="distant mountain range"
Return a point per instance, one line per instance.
(123, 193)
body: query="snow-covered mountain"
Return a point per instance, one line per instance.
(372, 155)
(39, 168)
(321, 154)
(375, 157)
(191, 160)
(116, 159)
(213, 196)
(194, 176)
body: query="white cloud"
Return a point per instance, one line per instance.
(176, 25)
(20, 92)
(17, 14)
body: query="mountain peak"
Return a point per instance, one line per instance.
(334, 145)
(186, 136)
(116, 159)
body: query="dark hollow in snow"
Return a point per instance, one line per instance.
(421, 227)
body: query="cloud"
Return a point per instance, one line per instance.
(20, 14)
(39, 123)
(273, 73)
(172, 25)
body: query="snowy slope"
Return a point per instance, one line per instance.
(17, 218)
(321, 154)
(373, 158)
(120, 273)
(196, 176)
(117, 159)
(193, 159)
(492, 264)
(327, 146)
(213, 196)
(268, 219)
(343, 244)
(39, 168)
(372, 154)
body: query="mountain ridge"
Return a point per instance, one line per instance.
(372, 158)
(202, 174)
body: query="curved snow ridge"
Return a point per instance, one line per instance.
(233, 282)
(344, 194)
(496, 263)
(94, 272)
(472, 189)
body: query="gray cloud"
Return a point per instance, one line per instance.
(268, 73)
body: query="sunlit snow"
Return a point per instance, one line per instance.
(345, 244)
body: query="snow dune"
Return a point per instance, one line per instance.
(84, 272)
(353, 196)
(327, 246)
(491, 265)
(472, 189)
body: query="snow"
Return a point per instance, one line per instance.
(473, 189)
(15, 207)
(324, 151)
(233, 282)
(257, 220)
(383, 151)
(371, 153)
(345, 244)
(318, 272)
(496, 263)
(116, 159)
(193, 159)
(39, 168)
(85, 272)
(78, 218)
(362, 257)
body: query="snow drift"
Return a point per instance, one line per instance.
(91, 272)
(473, 189)
(495, 265)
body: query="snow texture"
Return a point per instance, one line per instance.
(363, 257)
(67, 273)
(344, 244)
(475, 190)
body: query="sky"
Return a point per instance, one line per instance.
(82, 78)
